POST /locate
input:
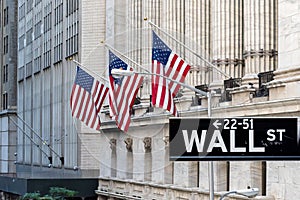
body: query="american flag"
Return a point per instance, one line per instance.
(166, 63)
(86, 99)
(122, 92)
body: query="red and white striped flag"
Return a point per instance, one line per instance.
(86, 99)
(122, 92)
(166, 63)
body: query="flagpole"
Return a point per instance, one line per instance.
(43, 141)
(29, 137)
(90, 71)
(208, 94)
(191, 50)
(150, 73)
(120, 53)
(123, 73)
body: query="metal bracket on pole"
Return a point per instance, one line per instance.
(28, 136)
(43, 141)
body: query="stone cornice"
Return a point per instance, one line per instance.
(265, 108)
(132, 189)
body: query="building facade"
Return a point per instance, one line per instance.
(8, 54)
(51, 34)
(254, 54)
(252, 45)
(48, 142)
(8, 88)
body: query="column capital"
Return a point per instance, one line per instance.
(147, 144)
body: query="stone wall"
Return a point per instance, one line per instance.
(145, 170)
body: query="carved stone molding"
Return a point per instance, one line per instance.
(128, 142)
(166, 140)
(147, 144)
(113, 143)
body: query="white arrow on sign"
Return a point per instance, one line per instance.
(216, 124)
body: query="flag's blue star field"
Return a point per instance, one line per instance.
(160, 50)
(84, 80)
(116, 63)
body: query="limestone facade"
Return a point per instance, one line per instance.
(256, 43)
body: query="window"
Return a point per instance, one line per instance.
(58, 13)
(47, 22)
(58, 37)
(58, 52)
(22, 11)
(72, 6)
(29, 5)
(28, 69)
(5, 16)
(29, 37)
(47, 59)
(72, 27)
(47, 35)
(22, 42)
(5, 45)
(37, 64)
(37, 2)
(38, 30)
(47, 49)
(4, 100)
(72, 39)
(5, 73)
(21, 73)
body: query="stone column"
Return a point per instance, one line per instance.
(138, 40)
(287, 77)
(258, 42)
(217, 55)
(260, 56)
(286, 85)
(220, 175)
(260, 46)
(227, 35)
(186, 174)
(260, 51)
(148, 159)
(252, 173)
(168, 171)
(113, 165)
(129, 158)
(198, 37)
